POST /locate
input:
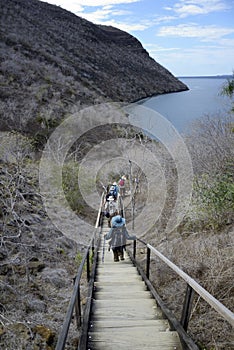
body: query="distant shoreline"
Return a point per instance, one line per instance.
(227, 76)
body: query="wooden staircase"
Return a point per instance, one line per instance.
(124, 315)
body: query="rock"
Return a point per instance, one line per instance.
(35, 305)
(64, 242)
(58, 277)
(2, 330)
(5, 269)
(36, 266)
(45, 333)
(33, 266)
(21, 330)
(3, 253)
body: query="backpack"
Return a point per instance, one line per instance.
(112, 208)
(118, 237)
(113, 191)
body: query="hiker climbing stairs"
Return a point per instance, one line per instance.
(123, 314)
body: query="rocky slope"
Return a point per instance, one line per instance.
(37, 263)
(52, 60)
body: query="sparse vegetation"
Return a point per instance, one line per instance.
(211, 148)
(53, 61)
(37, 263)
(68, 66)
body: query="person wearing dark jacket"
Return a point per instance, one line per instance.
(118, 235)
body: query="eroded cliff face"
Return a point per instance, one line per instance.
(52, 60)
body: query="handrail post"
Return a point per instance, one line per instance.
(78, 309)
(134, 249)
(101, 219)
(148, 263)
(93, 248)
(88, 266)
(187, 307)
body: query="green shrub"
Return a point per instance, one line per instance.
(213, 199)
(71, 187)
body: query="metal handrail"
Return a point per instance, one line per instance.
(192, 286)
(75, 301)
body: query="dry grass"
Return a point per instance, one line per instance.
(208, 258)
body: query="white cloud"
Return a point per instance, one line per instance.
(104, 2)
(79, 6)
(127, 27)
(70, 5)
(97, 16)
(227, 43)
(93, 3)
(185, 8)
(154, 48)
(205, 33)
(102, 14)
(105, 16)
(200, 60)
(162, 19)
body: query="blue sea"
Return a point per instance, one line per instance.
(181, 108)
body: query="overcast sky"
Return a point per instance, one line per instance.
(188, 37)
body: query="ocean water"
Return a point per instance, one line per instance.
(181, 108)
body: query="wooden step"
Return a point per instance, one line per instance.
(124, 315)
(110, 325)
(122, 294)
(107, 287)
(137, 311)
(136, 338)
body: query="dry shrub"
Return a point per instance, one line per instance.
(207, 258)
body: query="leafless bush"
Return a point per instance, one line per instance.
(207, 258)
(210, 143)
(211, 147)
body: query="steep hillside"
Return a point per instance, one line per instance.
(52, 60)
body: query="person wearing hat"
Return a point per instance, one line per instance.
(118, 235)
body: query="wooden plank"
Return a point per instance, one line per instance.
(130, 313)
(146, 304)
(122, 294)
(118, 279)
(109, 325)
(139, 338)
(122, 316)
(138, 286)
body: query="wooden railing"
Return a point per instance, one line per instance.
(192, 287)
(89, 263)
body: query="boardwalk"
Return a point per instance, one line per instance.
(124, 315)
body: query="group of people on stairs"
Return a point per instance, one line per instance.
(118, 233)
(111, 201)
